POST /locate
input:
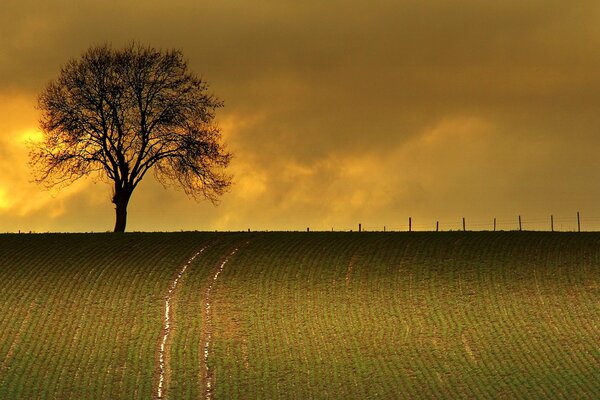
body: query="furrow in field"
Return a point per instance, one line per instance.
(17, 296)
(84, 332)
(52, 329)
(448, 315)
(17, 339)
(15, 322)
(66, 314)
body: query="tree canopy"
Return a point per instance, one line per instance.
(119, 113)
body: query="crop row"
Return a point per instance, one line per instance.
(401, 316)
(80, 315)
(301, 315)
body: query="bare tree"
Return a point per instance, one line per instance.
(116, 114)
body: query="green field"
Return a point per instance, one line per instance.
(473, 315)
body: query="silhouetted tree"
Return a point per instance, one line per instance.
(119, 113)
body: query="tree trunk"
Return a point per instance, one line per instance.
(121, 199)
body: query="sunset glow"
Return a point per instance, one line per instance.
(29, 136)
(4, 202)
(337, 115)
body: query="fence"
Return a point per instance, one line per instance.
(551, 223)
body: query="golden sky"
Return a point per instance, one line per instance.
(337, 112)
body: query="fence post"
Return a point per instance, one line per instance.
(464, 225)
(307, 229)
(578, 223)
(519, 223)
(409, 224)
(551, 223)
(494, 224)
(437, 226)
(384, 228)
(360, 227)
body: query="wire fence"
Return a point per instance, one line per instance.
(551, 223)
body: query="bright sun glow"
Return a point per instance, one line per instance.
(30, 136)
(4, 202)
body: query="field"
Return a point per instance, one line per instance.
(507, 315)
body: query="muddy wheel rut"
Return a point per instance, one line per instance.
(209, 380)
(162, 358)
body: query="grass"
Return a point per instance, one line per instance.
(302, 315)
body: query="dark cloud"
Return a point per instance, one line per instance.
(340, 111)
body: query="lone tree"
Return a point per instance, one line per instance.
(116, 114)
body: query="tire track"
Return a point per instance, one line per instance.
(167, 324)
(208, 376)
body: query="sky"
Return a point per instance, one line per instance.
(337, 112)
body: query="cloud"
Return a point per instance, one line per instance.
(338, 112)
